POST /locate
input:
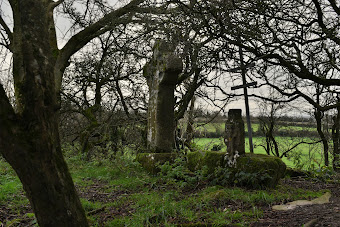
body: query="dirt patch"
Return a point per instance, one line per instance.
(98, 193)
(315, 215)
(17, 216)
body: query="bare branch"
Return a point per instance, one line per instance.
(301, 72)
(293, 147)
(103, 25)
(334, 6)
(188, 96)
(329, 32)
(80, 39)
(274, 100)
(122, 100)
(7, 30)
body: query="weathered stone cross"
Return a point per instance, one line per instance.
(245, 85)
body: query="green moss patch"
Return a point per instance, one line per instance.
(152, 161)
(268, 169)
(209, 159)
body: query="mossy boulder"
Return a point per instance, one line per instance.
(151, 161)
(251, 170)
(210, 159)
(267, 170)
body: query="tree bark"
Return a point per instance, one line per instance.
(30, 139)
(29, 134)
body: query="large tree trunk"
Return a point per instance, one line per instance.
(36, 157)
(30, 139)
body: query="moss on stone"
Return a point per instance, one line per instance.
(151, 161)
(210, 159)
(261, 164)
(195, 160)
(268, 169)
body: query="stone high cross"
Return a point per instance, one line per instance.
(245, 85)
(162, 73)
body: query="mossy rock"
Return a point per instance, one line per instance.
(268, 169)
(251, 170)
(151, 161)
(210, 159)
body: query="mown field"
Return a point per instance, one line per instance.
(219, 127)
(306, 156)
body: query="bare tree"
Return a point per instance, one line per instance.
(268, 119)
(295, 44)
(100, 85)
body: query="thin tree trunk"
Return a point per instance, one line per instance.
(190, 124)
(336, 141)
(323, 138)
(268, 149)
(276, 147)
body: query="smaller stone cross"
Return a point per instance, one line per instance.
(234, 134)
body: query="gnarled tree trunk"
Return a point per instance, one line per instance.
(30, 139)
(29, 135)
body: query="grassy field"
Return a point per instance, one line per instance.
(120, 193)
(305, 156)
(219, 127)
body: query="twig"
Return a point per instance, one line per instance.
(92, 212)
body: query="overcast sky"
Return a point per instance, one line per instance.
(64, 33)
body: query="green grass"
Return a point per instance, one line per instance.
(118, 192)
(12, 196)
(10, 185)
(126, 173)
(209, 127)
